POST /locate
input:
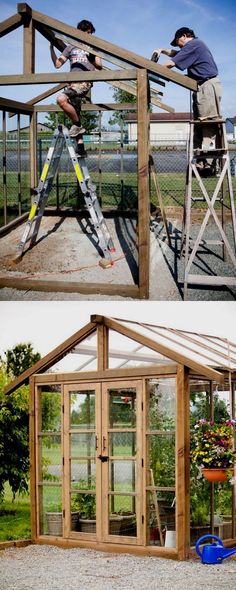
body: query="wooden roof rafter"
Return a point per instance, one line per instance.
(60, 43)
(118, 326)
(110, 49)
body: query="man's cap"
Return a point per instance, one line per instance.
(180, 32)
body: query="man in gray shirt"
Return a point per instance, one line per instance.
(196, 57)
(70, 99)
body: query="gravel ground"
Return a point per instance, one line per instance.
(47, 567)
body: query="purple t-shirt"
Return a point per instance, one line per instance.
(78, 58)
(197, 59)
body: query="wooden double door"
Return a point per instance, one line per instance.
(102, 461)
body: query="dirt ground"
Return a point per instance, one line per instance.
(67, 249)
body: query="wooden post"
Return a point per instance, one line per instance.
(143, 183)
(102, 347)
(182, 462)
(29, 45)
(32, 448)
(33, 151)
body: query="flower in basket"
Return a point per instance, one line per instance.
(213, 444)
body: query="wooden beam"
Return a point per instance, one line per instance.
(53, 357)
(114, 50)
(10, 24)
(29, 47)
(34, 284)
(109, 374)
(93, 76)
(15, 106)
(161, 348)
(143, 185)
(111, 106)
(182, 461)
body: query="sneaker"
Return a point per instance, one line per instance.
(80, 151)
(75, 130)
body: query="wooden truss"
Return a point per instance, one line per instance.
(134, 74)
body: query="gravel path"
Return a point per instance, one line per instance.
(47, 567)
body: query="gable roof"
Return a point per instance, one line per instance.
(206, 355)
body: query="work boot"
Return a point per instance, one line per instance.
(76, 130)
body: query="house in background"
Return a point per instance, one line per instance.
(231, 128)
(166, 128)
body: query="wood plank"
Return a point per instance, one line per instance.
(52, 78)
(163, 349)
(111, 106)
(15, 106)
(10, 24)
(102, 348)
(52, 357)
(32, 448)
(29, 47)
(143, 184)
(210, 280)
(152, 370)
(182, 461)
(114, 50)
(61, 286)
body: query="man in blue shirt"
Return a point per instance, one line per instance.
(196, 57)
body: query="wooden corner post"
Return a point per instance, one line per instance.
(182, 461)
(143, 183)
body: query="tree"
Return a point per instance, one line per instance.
(89, 120)
(121, 96)
(20, 358)
(14, 440)
(14, 420)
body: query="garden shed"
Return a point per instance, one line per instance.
(110, 438)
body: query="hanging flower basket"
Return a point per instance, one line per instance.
(212, 449)
(217, 474)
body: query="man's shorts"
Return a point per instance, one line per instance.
(77, 91)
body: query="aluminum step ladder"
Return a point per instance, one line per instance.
(219, 156)
(61, 138)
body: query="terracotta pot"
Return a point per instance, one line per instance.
(216, 474)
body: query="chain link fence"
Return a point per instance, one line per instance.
(113, 167)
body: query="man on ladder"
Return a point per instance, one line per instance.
(70, 99)
(196, 57)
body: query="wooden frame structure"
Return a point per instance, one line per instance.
(134, 75)
(162, 356)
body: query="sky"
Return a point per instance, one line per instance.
(46, 324)
(136, 26)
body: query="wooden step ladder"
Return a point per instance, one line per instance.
(221, 172)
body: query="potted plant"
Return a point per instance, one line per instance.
(54, 519)
(86, 504)
(212, 449)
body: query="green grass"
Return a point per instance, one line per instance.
(14, 517)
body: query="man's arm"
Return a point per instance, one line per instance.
(98, 63)
(57, 61)
(168, 52)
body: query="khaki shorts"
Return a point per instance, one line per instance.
(81, 88)
(206, 101)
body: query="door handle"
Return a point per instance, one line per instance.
(103, 458)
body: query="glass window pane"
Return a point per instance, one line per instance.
(122, 516)
(49, 408)
(161, 404)
(122, 407)
(82, 445)
(122, 443)
(50, 460)
(122, 476)
(161, 518)
(161, 456)
(50, 513)
(82, 409)
(82, 472)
